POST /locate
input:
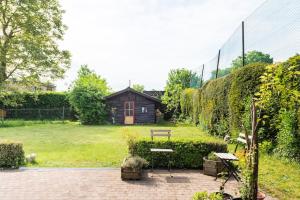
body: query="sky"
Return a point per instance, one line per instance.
(142, 40)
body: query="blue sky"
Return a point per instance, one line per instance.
(141, 40)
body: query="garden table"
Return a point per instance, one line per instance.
(169, 151)
(226, 159)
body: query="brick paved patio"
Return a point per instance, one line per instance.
(92, 184)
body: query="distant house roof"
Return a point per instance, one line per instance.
(155, 93)
(129, 89)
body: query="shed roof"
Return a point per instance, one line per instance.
(129, 89)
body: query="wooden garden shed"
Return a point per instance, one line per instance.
(129, 106)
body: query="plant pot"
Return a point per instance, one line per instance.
(212, 167)
(261, 196)
(131, 174)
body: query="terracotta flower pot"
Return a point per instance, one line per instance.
(261, 196)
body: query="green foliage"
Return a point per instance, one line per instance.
(34, 99)
(212, 156)
(252, 57)
(214, 105)
(11, 154)
(29, 35)
(178, 80)
(288, 140)
(187, 153)
(221, 72)
(205, 196)
(138, 87)
(87, 97)
(279, 92)
(244, 84)
(134, 162)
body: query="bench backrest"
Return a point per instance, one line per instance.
(160, 133)
(242, 140)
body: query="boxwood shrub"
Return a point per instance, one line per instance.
(11, 154)
(187, 153)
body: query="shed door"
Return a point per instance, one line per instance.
(129, 112)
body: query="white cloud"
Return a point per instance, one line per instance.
(141, 40)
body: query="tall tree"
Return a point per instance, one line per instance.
(138, 87)
(178, 80)
(29, 32)
(250, 57)
(87, 96)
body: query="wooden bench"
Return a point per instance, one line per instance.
(160, 133)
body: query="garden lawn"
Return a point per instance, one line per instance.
(75, 145)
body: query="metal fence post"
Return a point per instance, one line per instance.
(202, 76)
(243, 43)
(63, 114)
(218, 63)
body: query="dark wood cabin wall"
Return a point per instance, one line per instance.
(140, 101)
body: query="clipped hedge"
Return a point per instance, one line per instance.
(11, 155)
(187, 153)
(36, 105)
(34, 100)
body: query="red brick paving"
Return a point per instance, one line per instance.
(95, 184)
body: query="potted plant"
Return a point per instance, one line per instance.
(131, 168)
(212, 165)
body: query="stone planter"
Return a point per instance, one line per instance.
(131, 174)
(212, 167)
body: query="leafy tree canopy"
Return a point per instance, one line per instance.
(138, 87)
(178, 80)
(87, 96)
(29, 32)
(250, 58)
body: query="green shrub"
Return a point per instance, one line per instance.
(206, 196)
(87, 97)
(11, 155)
(187, 153)
(134, 162)
(288, 141)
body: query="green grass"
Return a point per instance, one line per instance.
(279, 177)
(75, 145)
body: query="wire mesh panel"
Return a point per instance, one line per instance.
(40, 114)
(273, 28)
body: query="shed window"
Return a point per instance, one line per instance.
(144, 110)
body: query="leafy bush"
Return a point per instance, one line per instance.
(87, 97)
(11, 155)
(212, 156)
(187, 153)
(134, 162)
(206, 196)
(288, 141)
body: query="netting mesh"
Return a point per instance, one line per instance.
(273, 28)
